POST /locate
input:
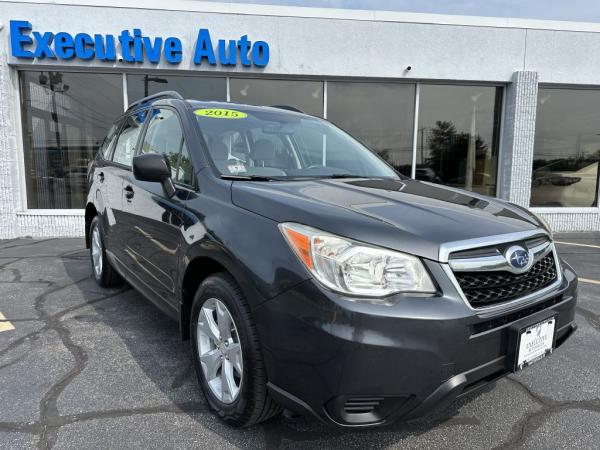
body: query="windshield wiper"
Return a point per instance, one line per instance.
(344, 175)
(247, 177)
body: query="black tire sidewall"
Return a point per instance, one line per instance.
(103, 279)
(219, 287)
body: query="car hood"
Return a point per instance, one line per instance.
(405, 215)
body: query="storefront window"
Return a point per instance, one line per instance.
(458, 136)
(378, 114)
(192, 87)
(567, 148)
(307, 96)
(65, 119)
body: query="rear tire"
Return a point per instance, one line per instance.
(235, 386)
(104, 274)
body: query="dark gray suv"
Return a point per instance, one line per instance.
(308, 274)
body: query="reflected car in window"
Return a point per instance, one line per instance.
(552, 185)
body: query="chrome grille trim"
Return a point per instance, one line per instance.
(512, 304)
(497, 262)
(449, 247)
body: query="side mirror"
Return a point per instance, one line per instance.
(154, 168)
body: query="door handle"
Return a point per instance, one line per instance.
(129, 193)
(101, 177)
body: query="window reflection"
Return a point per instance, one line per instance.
(65, 119)
(192, 87)
(378, 114)
(458, 136)
(307, 96)
(567, 148)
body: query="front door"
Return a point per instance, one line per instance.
(154, 239)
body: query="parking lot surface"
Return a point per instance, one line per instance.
(85, 367)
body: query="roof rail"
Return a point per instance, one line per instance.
(288, 108)
(163, 94)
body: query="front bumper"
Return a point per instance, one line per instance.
(357, 364)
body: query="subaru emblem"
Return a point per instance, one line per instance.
(518, 258)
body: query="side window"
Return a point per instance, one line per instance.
(165, 136)
(127, 140)
(184, 174)
(108, 141)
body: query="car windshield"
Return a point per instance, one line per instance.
(253, 142)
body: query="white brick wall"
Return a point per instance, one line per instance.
(8, 151)
(43, 225)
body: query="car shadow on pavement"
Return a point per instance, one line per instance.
(137, 364)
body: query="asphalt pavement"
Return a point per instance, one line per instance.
(85, 367)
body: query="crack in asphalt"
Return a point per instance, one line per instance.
(38, 427)
(49, 422)
(531, 422)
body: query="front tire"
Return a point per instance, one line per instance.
(226, 354)
(104, 274)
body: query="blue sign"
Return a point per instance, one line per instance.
(132, 47)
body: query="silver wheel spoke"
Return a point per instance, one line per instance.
(223, 321)
(229, 388)
(211, 363)
(207, 324)
(235, 357)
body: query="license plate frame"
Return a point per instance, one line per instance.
(532, 341)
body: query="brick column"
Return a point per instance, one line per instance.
(516, 157)
(9, 175)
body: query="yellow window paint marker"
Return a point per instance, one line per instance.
(218, 113)
(5, 325)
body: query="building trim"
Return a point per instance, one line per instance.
(329, 13)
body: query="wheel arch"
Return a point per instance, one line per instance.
(200, 263)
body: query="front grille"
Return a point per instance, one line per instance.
(488, 288)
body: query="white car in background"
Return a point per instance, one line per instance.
(564, 188)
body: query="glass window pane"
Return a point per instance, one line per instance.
(307, 96)
(164, 136)
(567, 148)
(127, 140)
(277, 143)
(108, 141)
(184, 174)
(380, 115)
(458, 136)
(66, 117)
(192, 87)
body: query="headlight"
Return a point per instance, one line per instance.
(545, 224)
(354, 268)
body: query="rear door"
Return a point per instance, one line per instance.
(155, 239)
(98, 179)
(115, 175)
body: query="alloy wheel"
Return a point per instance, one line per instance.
(97, 252)
(219, 350)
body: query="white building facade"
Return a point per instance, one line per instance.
(504, 107)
